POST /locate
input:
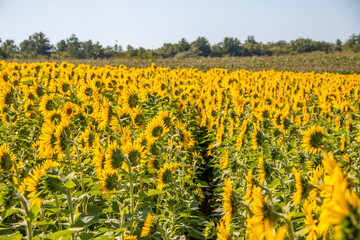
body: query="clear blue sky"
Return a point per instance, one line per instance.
(150, 23)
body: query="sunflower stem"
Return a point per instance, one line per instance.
(132, 200)
(58, 214)
(25, 206)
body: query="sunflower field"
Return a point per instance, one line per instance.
(153, 153)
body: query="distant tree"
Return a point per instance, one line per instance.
(200, 47)
(36, 45)
(73, 47)
(61, 46)
(183, 45)
(232, 47)
(8, 49)
(353, 43)
(252, 47)
(338, 45)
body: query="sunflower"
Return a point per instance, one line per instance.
(260, 222)
(87, 91)
(263, 170)
(257, 138)
(298, 195)
(109, 181)
(63, 85)
(167, 117)
(89, 139)
(224, 229)
(46, 142)
(131, 98)
(155, 129)
(114, 158)
(249, 187)
(313, 139)
(62, 135)
(70, 109)
(121, 118)
(342, 212)
(130, 237)
(239, 141)
(99, 160)
(104, 116)
(229, 199)
(150, 226)
(138, 117)
(7, 95)
(224, 161)
(47, 104)
(310, 229)
(34, 184)
(166, 175)
(134, 151)
(90, 108)
(7, 159)
(184, 136)
(55, 117)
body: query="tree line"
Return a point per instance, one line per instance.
(39, 46)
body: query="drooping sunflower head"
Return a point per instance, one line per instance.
(7, 96)
(6, 159)
(150, 226)
(313, 139)
(8, 197)
(134, 151)
(166, 175)
(115, 158)
(109, 181)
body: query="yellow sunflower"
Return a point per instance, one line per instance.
(46, 142)
(150, 226)
(224, 229)
(47, 104)
(313, 139)
(166, 175)
(184, 136)
(7, 159)
(135, 152)
(7, 96)
(155, 129)
(34, 185)
(115, 158)
(298, 195)
(109, 181)
(224, 161)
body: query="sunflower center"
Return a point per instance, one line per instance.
(133, 100)
(88, 92)
(65, 87)
(9, 98)
(157, 131)
(140, 119)
(69, 111)
(49, 105)
(316, 140)
(89, 109)
(40, 91)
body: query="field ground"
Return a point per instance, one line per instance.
(344, 63)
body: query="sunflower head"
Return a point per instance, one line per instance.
(6, 159)
(8, 196)
(150, 226)
(313, 139)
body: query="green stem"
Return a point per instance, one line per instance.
(58, 214)
(71, 211)
(25, 206)
(289, 223)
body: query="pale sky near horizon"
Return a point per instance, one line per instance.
(149, 24)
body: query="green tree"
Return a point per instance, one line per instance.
(338, 45)
(8, 49)
(73, 47)
(353, 43)
(200, 47)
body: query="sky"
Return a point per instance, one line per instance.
(149, 24)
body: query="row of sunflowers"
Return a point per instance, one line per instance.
(153, 153)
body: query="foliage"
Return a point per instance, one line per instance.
(38, 46)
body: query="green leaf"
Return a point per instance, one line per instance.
(34, 212)
(15, 236)
(69, 184)
(153, 192)
(58, 235)
(29, 82)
